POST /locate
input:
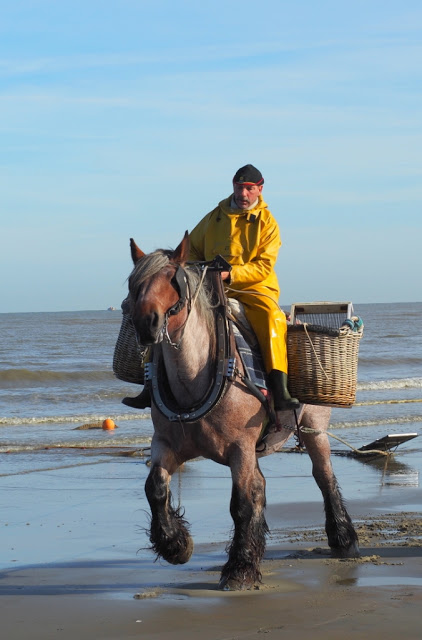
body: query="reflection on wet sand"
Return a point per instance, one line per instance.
(393, 471)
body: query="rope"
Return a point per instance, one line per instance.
(204, 272)
(315, 353)
(358, 451)
(192, 303)
(179, 488)
(194, 299)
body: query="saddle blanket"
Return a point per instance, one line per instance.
(251, 359)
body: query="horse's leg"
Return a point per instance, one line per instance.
(169, 534)
(341, 534)
(242, 569)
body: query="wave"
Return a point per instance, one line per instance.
(376, 422)
(13, 377)
(87, 419)
(398, 383)
(79, 419)
(393, 361)
(93, 419)
(83, 445)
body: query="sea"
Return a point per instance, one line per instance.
(57, 387)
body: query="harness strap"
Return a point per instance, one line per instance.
(180, 283)
(224, 372)
(226, 369)
(258, 394)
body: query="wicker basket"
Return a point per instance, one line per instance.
(323, 364)
(128, 355)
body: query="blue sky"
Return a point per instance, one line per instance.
(129, 118)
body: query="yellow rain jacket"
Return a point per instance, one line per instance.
(249, 241)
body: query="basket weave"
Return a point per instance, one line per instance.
(323, 364)
(128, 355)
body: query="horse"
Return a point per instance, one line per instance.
(173, 313)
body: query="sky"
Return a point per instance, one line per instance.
(129, 118)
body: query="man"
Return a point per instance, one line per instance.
(244, 232)
(242, 229)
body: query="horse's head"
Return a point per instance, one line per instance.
(158, 292)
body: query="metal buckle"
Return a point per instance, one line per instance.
(148, 371)
(230, 367)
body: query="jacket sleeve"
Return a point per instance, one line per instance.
(197, 238)
(262, 265)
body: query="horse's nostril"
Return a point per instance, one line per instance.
(148, 326)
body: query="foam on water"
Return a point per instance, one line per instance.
(72, 419)
(379, 421)
(401, 383)
(84, 443)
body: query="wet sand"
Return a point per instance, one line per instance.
(73, 562)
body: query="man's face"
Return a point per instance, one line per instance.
(246, 194)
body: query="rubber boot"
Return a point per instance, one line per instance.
(139, 402)
(282, 398)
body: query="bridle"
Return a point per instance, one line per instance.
(180, 282)
(155, 373)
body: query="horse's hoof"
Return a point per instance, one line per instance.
(233, 584)
(184, 555)
(227, 584)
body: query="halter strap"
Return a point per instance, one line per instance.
(180, 283)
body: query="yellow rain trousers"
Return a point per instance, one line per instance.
(249, 241)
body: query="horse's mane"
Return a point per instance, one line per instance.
(148, 266)
(152, 263)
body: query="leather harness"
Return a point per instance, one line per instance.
(225, 366)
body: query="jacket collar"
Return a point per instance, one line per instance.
(225, 206)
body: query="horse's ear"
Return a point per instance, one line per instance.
(181, 254)
(135, 251)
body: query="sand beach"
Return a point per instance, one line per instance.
(74, 562)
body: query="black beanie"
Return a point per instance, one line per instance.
(248, 175)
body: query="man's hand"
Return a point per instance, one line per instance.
(225, 275)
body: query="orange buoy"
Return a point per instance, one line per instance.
(108, 424)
